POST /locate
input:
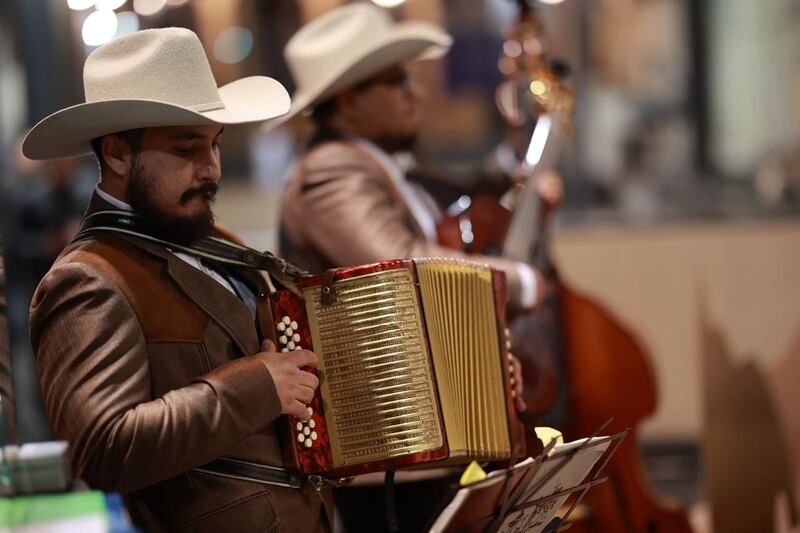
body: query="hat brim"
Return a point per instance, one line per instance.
(408, 41)
(68, 133)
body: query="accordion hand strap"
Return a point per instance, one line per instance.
(212, 248)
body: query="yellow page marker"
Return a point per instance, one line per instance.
(546, 434)
(472, 474)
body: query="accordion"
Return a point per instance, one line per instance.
(413, 367)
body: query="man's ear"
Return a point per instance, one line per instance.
(117, 154)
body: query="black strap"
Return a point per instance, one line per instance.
(253, 472)
(212, 248)
(389, 502)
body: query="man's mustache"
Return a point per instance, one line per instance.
(208, 189)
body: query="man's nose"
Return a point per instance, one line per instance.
(210, 166)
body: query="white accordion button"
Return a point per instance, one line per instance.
(298, 348)
(289, 332)
(306, 431)
(300, 437)
(281, 326)
(290, 345)
(299, 426)
(308, 443)
(310, 410)
(282, 339)
(287, 320)
(284, 350)
(508, 344)
(293, 325)
(312, 424)
(313, 435)
(296, 337)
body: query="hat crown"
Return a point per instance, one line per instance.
(165, 64)
(344, 30)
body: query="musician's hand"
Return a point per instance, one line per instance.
(517, 385)
(295, 387)
(550, 187)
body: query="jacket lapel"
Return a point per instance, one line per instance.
(222, 306)
(385, 174)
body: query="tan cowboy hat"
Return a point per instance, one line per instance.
(152, 78)
(349, 44)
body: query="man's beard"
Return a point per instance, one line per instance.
(142, 187)
(399, 143)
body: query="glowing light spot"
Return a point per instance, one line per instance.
(388, 3)
(538, 87)
(233, 44)
(109, 4)
(145, 8)
(512, 48)
(99, 27)
(80, 5)
(128, 22)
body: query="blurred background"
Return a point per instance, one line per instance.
(682, 183)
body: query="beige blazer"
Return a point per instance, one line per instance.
(341, 208)
(143, 368)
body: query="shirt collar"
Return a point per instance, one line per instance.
(116, 202)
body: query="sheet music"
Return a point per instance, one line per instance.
(534, 518)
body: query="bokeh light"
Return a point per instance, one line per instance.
(99, 27)
(233, 44)
(146, 8)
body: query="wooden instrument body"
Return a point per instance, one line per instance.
(315, 457)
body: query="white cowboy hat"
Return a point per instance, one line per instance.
(349, 44)
(152, 78)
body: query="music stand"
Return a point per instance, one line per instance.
(517, 496)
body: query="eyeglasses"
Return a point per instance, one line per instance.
(396, 79)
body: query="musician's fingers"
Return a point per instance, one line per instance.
(299, 410)
(307, 379)
(305, 394)
(268, 346)
(304, 358)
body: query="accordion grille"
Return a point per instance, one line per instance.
(458, 299)
(375, 372)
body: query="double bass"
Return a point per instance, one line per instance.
(606, 371)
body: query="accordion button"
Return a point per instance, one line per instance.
(286, 320)
(290, 345)
(284, 350)
(508, 345)
(312, 424)
(310, 410)
(299, 426)
(306, 431)
(308, 443)
(298, 348)
(300, 437)
(313, 435)
(289, 332)
(282, 339)
(281, 326)
(296, 337)
(293, 325)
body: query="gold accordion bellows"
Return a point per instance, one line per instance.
(412, 366)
